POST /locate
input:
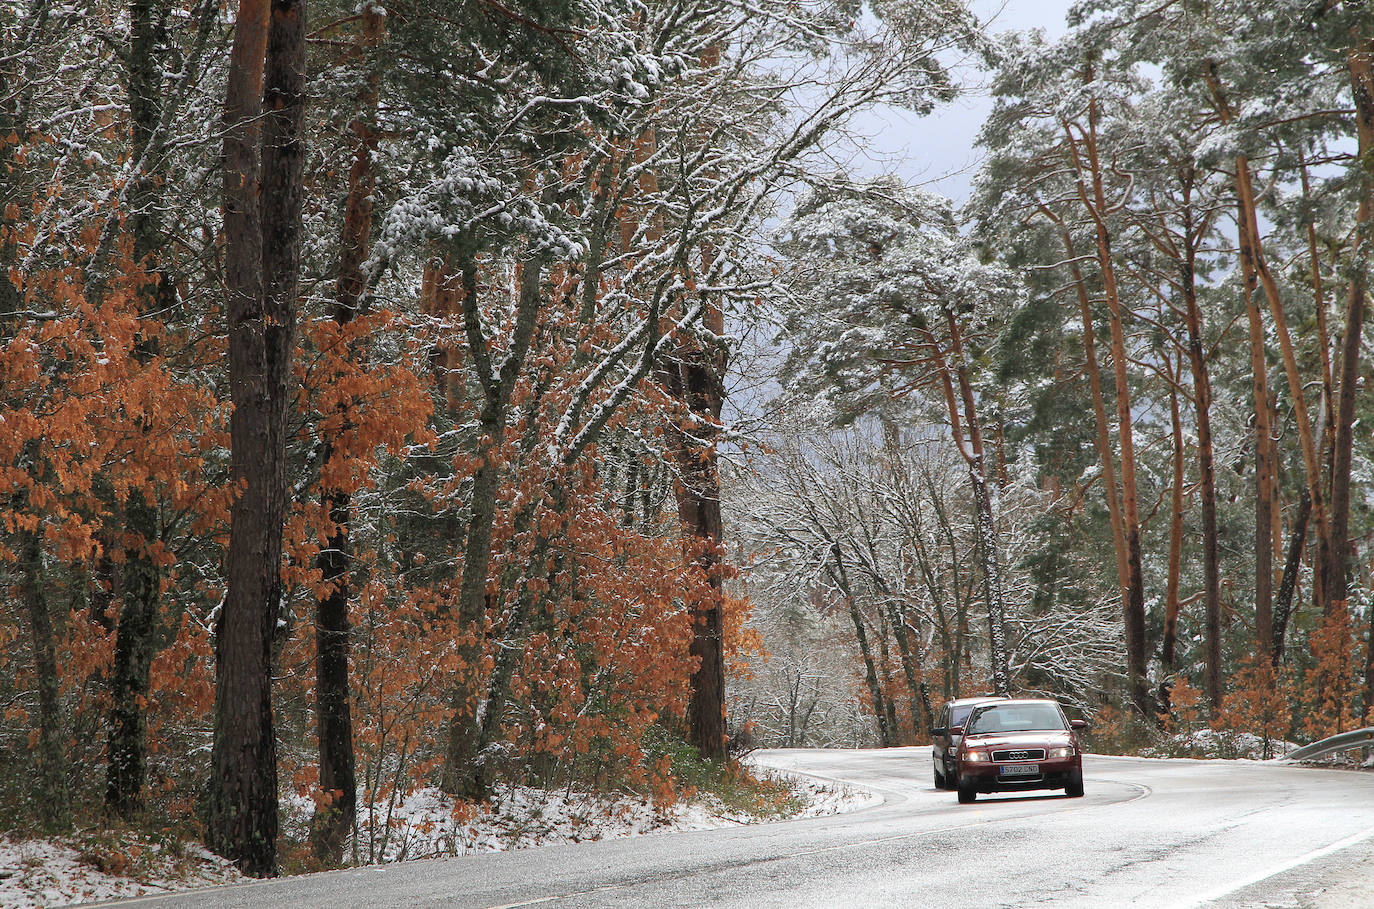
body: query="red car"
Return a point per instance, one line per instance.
(944, 742)
(1018, 744)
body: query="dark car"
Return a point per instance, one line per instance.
(944, 742)
(1012, 745)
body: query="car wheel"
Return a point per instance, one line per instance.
(967, 794)
(940, 780)
(1074, 787)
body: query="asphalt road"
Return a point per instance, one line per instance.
(1147, 834)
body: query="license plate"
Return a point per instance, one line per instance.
(1020, 769)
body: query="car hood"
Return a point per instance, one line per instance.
(1019, 739)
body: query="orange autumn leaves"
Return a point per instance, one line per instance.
(102, 399)
(86, 419)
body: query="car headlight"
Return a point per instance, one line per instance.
(1065, 751)
(975, 756)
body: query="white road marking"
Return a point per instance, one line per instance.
(1227, 889)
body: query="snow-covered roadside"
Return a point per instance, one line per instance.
(1243, 747)
(41, 873)
(424, 825)
(48, 872)
(1211, 743)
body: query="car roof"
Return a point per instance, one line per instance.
(981, 699)
(1012, 702)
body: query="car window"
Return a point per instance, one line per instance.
(957, 715)
(1016, 718)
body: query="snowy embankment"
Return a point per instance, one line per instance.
(1210, 744)
(36, 873)
(57, 872)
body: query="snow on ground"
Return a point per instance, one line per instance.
(58, 872)
(424, 825)
(1212, 743)
(1348, 887)
(42, 873)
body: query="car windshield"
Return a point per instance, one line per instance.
(1015, 718)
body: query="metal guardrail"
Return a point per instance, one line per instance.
(1356, 738)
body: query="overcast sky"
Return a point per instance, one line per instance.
(937, 151)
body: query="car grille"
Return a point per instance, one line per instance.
(1023, 754)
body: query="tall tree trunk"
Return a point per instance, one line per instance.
(1202, 405)
(1093, 197)
(989, 557)
(136, 641)
(334, 820)
(911, 671)
(527, 614)
(262, 209)
(1106, 458)
(460, 774)
(885, 661)
(1264, 451)
(1328, 398)
(1283, 601)
(10, 295)
(1361, 65)
(886, 734)
(138, 631)
(942, 623)
(1252, 255)
(242, 822)
(1256, 272)
(699, 386)
(51, 788)
(1171, 598)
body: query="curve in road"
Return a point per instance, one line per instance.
(1172, 834)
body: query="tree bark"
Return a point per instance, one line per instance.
(1264, 454)
(885, 660)
(1283, 601)
(1102, 436)
(1361, 65)
(333, 822)
(1256, 272)
(695, 377)
(459, 775)
(1133, 596)
(911, 671)
(1202, 405)
(989, 560)
(10, 295)
(1328, 398)
(1171, 598)
(1134, 607)
(886, 735)
(1253, 259)
(136, 641)
(262, 210)
(51, 788)
(138, 630)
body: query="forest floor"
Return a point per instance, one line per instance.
(102, 865)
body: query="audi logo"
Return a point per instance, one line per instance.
(1018, 755)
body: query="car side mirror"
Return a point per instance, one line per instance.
(956, 730)
(1078, 724)
(938, 730)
